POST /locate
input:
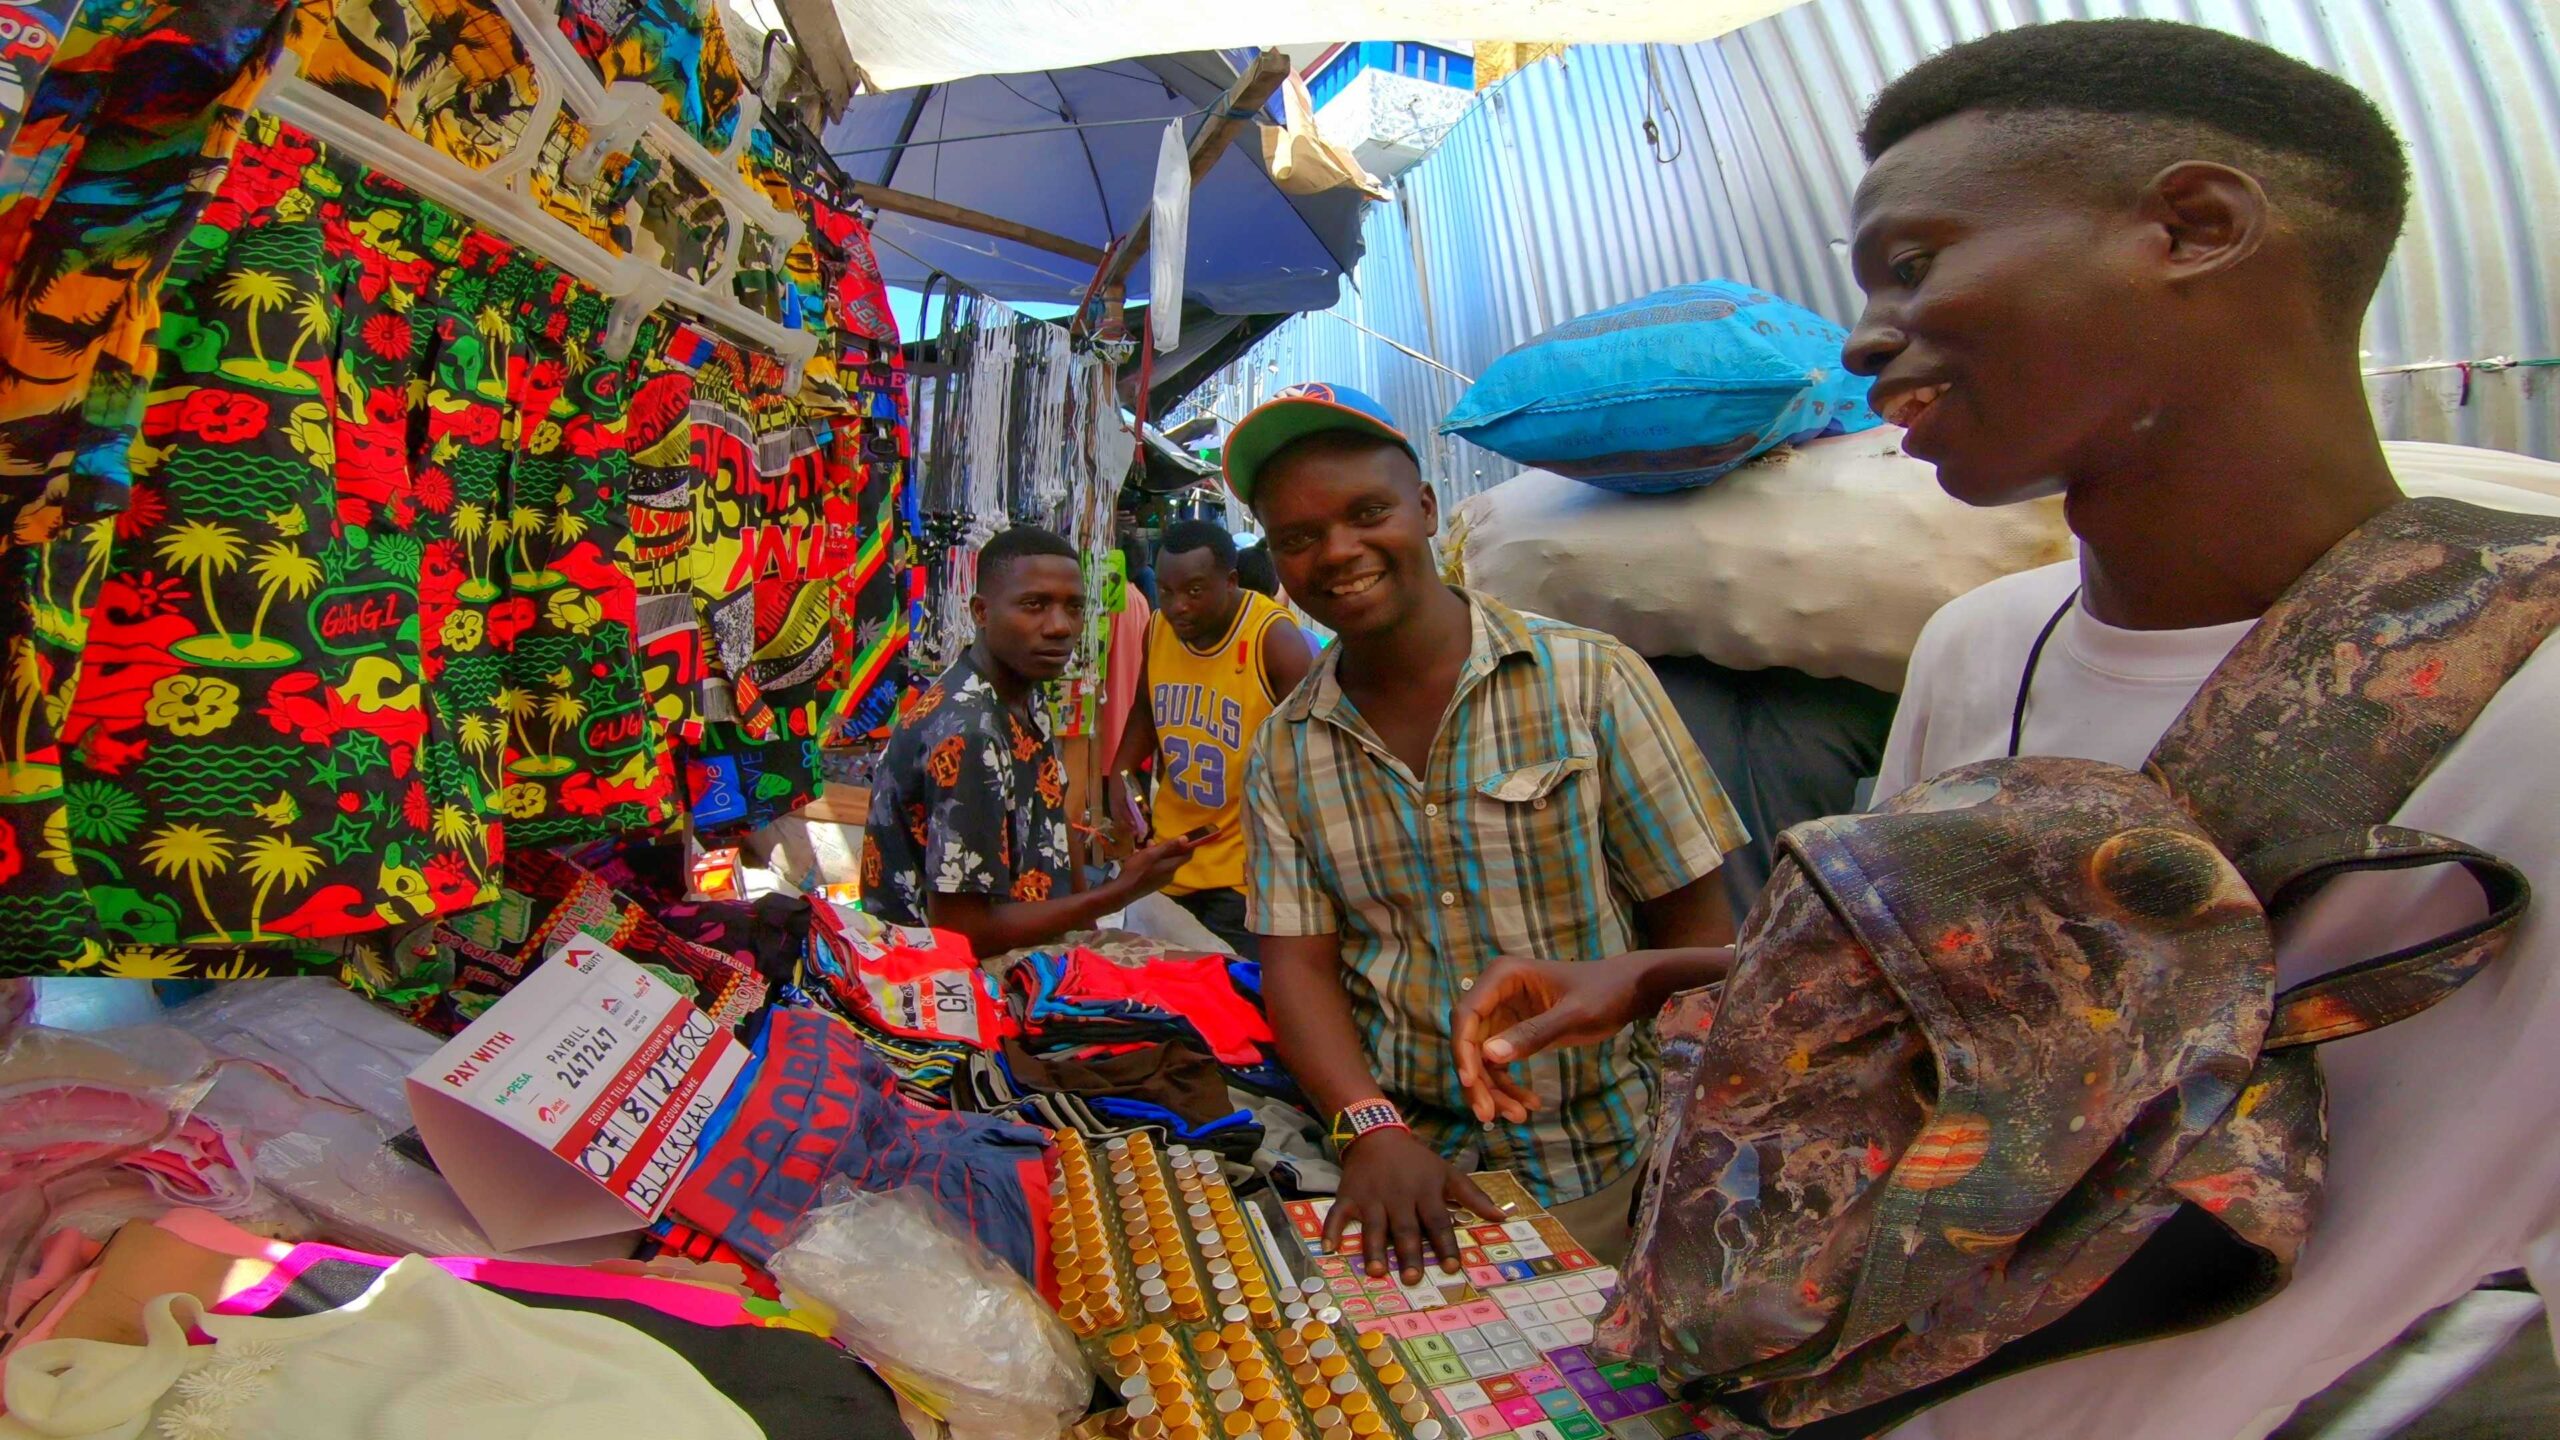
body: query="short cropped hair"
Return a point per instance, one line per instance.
(2120, 100)
(1019, 543)
(1184, 536)
(1257, 571)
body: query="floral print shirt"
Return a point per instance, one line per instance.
(969, 800)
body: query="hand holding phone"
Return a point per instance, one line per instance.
(1154, 867)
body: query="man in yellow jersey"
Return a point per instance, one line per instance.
(1219, 659)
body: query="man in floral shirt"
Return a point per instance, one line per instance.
(968, 826)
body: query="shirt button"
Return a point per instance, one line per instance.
(1538, 804)
(1448, 897)
(1431, 810)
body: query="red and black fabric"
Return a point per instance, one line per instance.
(816, 1105)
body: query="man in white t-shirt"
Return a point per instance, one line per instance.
(2128, 261)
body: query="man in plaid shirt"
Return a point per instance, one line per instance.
(1454, 782)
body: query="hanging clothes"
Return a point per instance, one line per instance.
(359, 625)
(117, 150)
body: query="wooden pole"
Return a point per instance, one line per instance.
(1233, 112)
(942, 212)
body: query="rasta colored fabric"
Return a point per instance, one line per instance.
(358, 626)
(818, 1104)
(412, 569)
(969, 800)
(876, 593)
(118, 148)
(546, 901)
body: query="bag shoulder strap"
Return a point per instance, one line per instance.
(2321, 722)
(2327, 715)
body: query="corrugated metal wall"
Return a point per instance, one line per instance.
(1547, 201)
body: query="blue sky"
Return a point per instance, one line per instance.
(908, 306)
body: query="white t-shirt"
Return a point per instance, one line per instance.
(2444, 1155)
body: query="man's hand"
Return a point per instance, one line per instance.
(1399, 1191)
(1123, 800)
(1153, 868)
(1520, 1008)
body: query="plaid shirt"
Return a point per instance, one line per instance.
(1561, 791)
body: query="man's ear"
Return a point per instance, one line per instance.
(978, 612)
(2215, 217)
(1430, 508)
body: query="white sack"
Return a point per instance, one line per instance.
(1827, 558)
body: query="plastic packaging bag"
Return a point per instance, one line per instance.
(97, 1130)
(1172, 239)
(937, 1314)
(320, 1105)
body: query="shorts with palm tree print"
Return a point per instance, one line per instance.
(360, 625)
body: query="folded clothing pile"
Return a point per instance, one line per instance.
(814, 1104)
(1071, 995)
(1151, 1043)
(547, 900)
(915, 996)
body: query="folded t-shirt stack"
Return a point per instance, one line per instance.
(1152, 1043)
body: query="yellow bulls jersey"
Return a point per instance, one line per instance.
(1208, 705)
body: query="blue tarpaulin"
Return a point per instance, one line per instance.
(1059, 159)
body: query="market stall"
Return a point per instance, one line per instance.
(485, 526)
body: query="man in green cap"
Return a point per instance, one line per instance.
(1456, 782)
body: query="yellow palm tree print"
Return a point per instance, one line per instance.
(273, 858)
(480, 735)
(257, 294)
(280, 570)
(195, 852)
(208, 550)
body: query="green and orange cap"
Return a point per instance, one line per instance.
(1312, 408)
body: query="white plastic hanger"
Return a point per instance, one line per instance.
(500, 200)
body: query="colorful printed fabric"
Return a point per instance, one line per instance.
(735, 783)
(546, 901)
(359, 623)
(116, 151)
(675, 47)
(1564, 791)
(30, 33)
(970, 800)
(448, 72)
(452, 74)
(876, 594)
(761, 482)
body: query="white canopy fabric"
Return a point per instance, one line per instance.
(899, 43)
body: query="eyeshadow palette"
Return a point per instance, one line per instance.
(1500, 1351)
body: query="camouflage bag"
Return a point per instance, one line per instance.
(1982, 1047)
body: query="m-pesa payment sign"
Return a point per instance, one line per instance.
(574, 1105)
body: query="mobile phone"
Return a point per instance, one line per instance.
(1205, 832)
(1137, 787)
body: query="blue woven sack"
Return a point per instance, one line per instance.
(1668, 392)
